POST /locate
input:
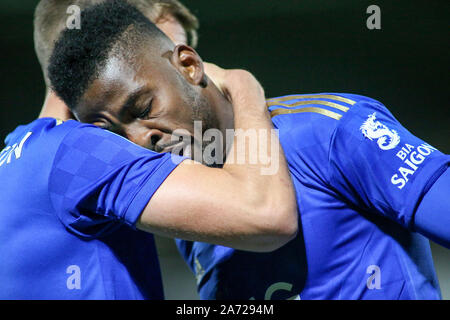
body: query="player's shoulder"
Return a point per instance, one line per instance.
(309, 120)
(319, 110)
(51, 133)
(75, 134)
(311, 116)
(328, 105)
(39, 128)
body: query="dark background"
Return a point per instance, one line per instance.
(304, 46)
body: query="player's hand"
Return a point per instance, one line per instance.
(239, 86)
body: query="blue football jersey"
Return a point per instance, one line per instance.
(70, 196)
(359, 177)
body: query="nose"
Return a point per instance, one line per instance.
(147, 138)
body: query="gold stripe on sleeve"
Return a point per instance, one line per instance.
(321, 111)
(322, 96)
(319, 102)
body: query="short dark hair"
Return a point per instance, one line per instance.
(80, 55)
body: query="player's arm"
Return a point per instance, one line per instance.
(432, 217)
(236, 206)
(390, 171)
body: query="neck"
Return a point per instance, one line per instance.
(223, 110)
(224, 115)
(54, 107)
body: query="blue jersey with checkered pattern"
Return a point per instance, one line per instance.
(70, 195)
(359, 177)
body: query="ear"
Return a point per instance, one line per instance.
(190, 65)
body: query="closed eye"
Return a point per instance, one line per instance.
(146, 112)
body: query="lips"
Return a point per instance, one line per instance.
(167, 147)
(180, 148)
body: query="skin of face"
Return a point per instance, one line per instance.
(173, 29)
(158, 92)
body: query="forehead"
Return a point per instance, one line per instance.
(119, 72)
(143, 70)
(116, 81)
(172, 28)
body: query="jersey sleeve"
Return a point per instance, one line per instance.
(379, 166)
(432, 217)
(100, 181)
